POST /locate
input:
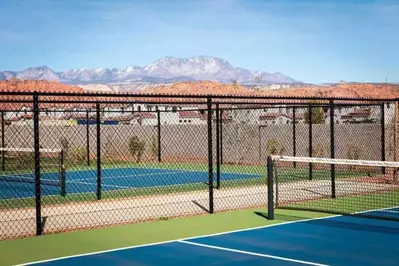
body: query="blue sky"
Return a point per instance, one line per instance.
(308, 40)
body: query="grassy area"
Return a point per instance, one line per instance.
(66, 244)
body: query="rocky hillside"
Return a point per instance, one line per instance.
(378, 91)
(37, 85)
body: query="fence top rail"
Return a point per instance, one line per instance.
(188, 96)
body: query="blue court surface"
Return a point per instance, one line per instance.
(335, 240)
(85, 181)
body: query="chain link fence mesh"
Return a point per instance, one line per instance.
(108, 162)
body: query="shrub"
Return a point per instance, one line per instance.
(273, 147)
(78, 155)
(353, 152)
(154, 147)
(64, 143)
(136, 148)
(319, 151)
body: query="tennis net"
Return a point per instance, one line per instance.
(336, 186)
(18, 166)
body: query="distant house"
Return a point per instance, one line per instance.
(275, 119)
(144, 118)
(358, 116)
(191, 117)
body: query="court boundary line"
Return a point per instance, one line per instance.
(174, 240)
(155, 168)
(251, 253)
(195, 237)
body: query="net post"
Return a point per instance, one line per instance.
(159, 135)
(62, 173)
(270, 196)
(382, 135)
(88, 137)
(3, 141)
(39, 228)
(294, 133)
(332, 148)
(98, 123)
(310, 141)
(217, 147)
(210, 153)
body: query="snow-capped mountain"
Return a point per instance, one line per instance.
(41, 72)
(167, 69)
(7, 75)
(130, 72)
(87, 74)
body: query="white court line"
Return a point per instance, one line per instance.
(175, 240)
(95, 184)
(190, 238)
(25, 177)
(137, 175)
(161, 173)
(252, 253)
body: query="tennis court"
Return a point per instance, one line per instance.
(85, 181)
(333, 240)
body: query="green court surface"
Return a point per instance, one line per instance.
(25, 250)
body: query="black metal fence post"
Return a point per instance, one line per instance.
(63, 180)
(221, 136)
(159, 135)
(270, 195)
(88, 137)
(332, 148)
(98, 151)
(210, 157)
(310, 116)
(294, 133)
(217, 146)
(39, 228)
(3, 140)
(383, 135)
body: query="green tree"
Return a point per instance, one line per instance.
(317, 115)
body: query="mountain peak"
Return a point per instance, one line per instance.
(167, 69)
(40, 68)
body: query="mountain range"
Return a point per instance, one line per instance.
(164, 70)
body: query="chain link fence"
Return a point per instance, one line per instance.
(72, 163)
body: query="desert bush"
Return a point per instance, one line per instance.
(319, 151)
(64, 143)
(136, 148)
(353, 151)
(78, 155)
(273, 147)
(154, 147)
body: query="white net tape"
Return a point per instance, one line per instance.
(30, 150)
(335, 161)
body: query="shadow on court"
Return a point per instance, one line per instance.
(281, 217)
